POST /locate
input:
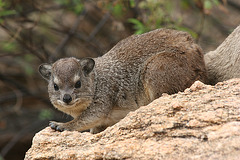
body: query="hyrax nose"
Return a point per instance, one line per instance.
(67, 98)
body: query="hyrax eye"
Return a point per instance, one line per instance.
(56, 87)
(77, 84)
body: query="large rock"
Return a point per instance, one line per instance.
(203, 122)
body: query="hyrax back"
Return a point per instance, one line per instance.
(99, 92)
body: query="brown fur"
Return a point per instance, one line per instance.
(133, 73)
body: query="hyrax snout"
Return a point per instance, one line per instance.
(67, 98)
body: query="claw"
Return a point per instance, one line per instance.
(56, 126)
(51, 125)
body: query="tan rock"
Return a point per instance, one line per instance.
(203, 122)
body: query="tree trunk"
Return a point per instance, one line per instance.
(224, 63)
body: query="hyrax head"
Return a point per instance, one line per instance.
(69, 81)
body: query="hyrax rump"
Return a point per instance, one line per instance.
(98, 92)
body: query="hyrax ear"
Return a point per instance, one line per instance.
(45, 71)
(87, 65)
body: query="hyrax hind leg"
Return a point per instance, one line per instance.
(169, 73)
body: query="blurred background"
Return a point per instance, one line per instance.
(34, 32)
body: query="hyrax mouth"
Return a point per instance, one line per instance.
(71, 104)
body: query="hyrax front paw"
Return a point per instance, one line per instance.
(57, 126)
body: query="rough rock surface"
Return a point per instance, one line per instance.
(203, 122)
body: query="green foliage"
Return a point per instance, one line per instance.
(138, 26)
(190, 31)
(117, 10)
(154, 14)
(75, 6)
(45, 114)
(4, 11)
(7, 46)
(132, 3)
(208, 4)
(185, 3)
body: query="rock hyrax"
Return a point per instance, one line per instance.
(98, 92)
